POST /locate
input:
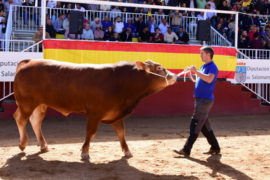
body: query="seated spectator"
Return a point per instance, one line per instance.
(7, 5)
(244, 41)
(38, 36)
(252, 31)
(58, 24)
(139, 24)
(115, 37)
(145, 35)
(170, 36)
(98, 33)
(66, 23)
(79, 7)
(87, 33)
(163, 26)
(51, 4)
(129, 24)
(115, 12)
(2, 29)
(256, 43)
(152, 25)
(224, 6)
(2, 7)
(127, 35)
(118, 25)
(157, 37)
(183, 36)
(106, 23)
(267, 40)
(104, 7)
(176, 20)
(49, 28)
(95, 23)
(201, 4)
(108, 35)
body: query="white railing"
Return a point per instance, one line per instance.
(256, 53)
(8, 28)
(7, 90)
(26, 18)
(261, 90)
(190, 25)
(18, 45)
(37, 47)
(217, 39)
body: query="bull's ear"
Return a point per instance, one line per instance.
(150, 62)
(140, 65)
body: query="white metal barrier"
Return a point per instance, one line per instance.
(18, 45)
(26, 18)
(256, 53)
(7, 90)
(217, 39)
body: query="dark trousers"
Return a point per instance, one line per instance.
(199, 123)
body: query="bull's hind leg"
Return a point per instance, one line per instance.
(22, 117)
(119, 129)
(91, 129)
(36, 121)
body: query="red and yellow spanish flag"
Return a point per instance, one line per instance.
(171, 56)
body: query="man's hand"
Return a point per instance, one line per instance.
(193, 69)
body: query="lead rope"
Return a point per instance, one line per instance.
(165, 77)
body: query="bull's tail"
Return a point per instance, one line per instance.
(21, 64)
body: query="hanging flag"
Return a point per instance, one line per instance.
(174, 57)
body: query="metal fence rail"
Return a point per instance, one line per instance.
(7, 90)
(256, 53)
(18, 45)
(217, 39)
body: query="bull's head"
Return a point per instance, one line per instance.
(155, 69)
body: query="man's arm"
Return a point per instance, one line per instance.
(206, 77)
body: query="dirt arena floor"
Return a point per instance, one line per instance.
(245, 142)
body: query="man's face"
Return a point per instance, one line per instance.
(204, 56)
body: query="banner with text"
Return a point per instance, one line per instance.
(252, 71)
(9, 61)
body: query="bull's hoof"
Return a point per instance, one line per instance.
(128, 154)
(85, 157)
(21, 147)
(44, 150)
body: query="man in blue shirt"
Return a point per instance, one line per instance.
(205, 80)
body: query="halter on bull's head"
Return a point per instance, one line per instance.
(153, 68)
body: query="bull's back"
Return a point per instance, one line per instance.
(57, 84)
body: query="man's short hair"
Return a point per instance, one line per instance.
(208, 50)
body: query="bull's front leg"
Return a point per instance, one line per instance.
(119, 129)
(91, 129)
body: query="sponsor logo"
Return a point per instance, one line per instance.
(241, 72)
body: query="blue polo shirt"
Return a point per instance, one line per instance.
(204, 89)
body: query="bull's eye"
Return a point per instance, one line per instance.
(159, 68)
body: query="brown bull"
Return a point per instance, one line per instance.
(103, 93)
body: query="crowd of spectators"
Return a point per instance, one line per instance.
(254, 30)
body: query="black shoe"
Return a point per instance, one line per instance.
(182, 152)
(213, 151)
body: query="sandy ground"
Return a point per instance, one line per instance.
(245, 142)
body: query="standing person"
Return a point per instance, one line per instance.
(205, 80)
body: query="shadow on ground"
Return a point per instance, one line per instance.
(214, 163)
(32, 166)
(72, 129)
